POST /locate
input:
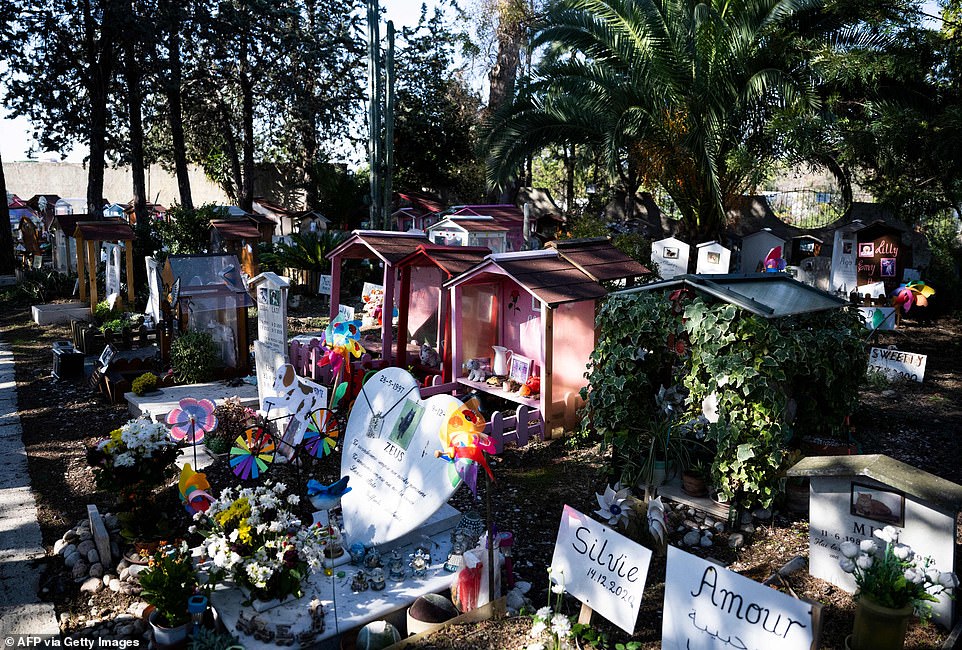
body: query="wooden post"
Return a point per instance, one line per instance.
(335, 285)
(404, 304)
(92, 271)
(129, 254)
(387, 315)
(547, 347)
(455, 342)
(584, 616)
(81, 267)
(444, 329)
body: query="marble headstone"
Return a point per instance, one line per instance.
(271, 291)
(713, 258)
(853, 496)
(671, 256)
(397, 482)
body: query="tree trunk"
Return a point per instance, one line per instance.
(570, 178)
(175, 106)
(8, 261)
(100, 61)
(132, 79)
(231, 145)
(504, 73)
(246, 195)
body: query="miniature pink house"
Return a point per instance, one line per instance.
(541, 306)
(427, 317)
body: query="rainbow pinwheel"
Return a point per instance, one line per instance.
(252, 453)
(191, 420)
(193, 487)
(774, 262)
(320, 438)
(465, 445)
(914, 292)
(342, 340)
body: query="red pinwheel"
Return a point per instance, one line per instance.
(914, 292)
(774, 262)
(191, 420)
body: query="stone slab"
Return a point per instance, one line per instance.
(938, 493)
(99, 531)
(10, 428)
(345, 610)
(59, 313)
(165, 400)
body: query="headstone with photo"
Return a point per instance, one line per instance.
(713, 258)
(271, 292)
(112, 272)
(843, 276)
(709, 607)
(388, 452)
(671, 256)
(600, 567)
(853, 496)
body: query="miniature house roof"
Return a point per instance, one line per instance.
(770, 295)
(812, 237)
(387, 245)
(709, 243)
(66, 222)
(764, 232)
(598, 258)
(209, 281)
(470, 224)
(104, 230)
(452, 260)
(235, 229)
(938, 493)
(545, 274)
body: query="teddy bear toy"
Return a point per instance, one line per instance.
(475, 371)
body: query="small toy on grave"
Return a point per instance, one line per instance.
(372, 559)
(429, 356)
(377, 579)
(359, 583)
(325, 497)
(191, 420)
(464, 446)
(357, 553)
(193, 488)
(511, 386)
(283, 635)
(476, 371)
(396, 567)
(531, 387)
(419, 563)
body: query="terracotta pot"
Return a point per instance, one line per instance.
(797, 496)
(693, 484)
(879, 628)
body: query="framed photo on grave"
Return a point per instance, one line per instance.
(877, 504)
(106, 356)
(520, 369)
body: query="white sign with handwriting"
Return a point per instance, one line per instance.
(896, 364)
(708, 607)
(346, 312)
(600, 567)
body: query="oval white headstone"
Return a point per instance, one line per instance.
(396, 481)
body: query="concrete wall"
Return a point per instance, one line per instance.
(70, 180)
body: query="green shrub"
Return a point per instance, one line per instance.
(144, 384)
(193, 357)
(233, 418)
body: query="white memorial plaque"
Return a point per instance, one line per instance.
(112, 272)
(397, 482)
(324, 285)
(600, 567)
(671, 256)
(267, 362)
(713, 258)
(844, 277)
(852, 508)
(272, 310)
(708, 607)
(896, 364)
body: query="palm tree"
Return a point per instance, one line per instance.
(669, 93)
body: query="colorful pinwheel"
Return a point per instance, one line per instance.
(323, 429)
(914, 292)
(193, 487)
(342, 340)
(191, 420)
(465, 445)
(774, 262)
(614, 508)
(252, 452)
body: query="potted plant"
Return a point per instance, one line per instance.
(233, 418)
(892, 584)
(193, 357)
(694, 479)
(167, 583)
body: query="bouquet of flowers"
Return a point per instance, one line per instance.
(257, 542)
(550, 628)
(168, 582)
(134, 459)
(893, 575)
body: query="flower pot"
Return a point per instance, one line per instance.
(693, 484)
(168, 637)
(879, 628)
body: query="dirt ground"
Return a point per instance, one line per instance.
(916, 423)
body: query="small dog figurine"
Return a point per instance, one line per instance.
(429, 356)
(475, 371)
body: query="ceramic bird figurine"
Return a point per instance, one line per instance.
(325, 497)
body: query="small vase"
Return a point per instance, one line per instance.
(879, 628)
(167, 637)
